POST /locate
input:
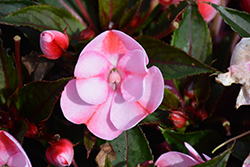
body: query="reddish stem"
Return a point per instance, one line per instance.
(17, 40)
(86, 15)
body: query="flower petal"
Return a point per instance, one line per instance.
(73, 107)
(124, 114)
(154, 90)
(244, 96)
(10, 146)
(16, 160)
(206, 10)
(175, 159)
(91, 74)
(133, 69)
(100, 124)
(193, 152)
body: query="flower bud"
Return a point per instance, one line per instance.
(168, 2)
(86, 34)
(32, 130)
(179, 119)
(60, 153)
(53, 43)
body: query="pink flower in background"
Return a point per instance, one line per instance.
(113, 89)
(206, 10)
(60, 153)
(239, 72)
(178, 159)
(53, 43)
(11, 152)
(168, 2)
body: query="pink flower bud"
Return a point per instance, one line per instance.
(60, 153)
(53, 43)
(179, 119)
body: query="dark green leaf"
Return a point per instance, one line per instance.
(36, 100)
(170, 100)
(239, 21)
(7, 7)
(218, 161)
(173, 63)
(128, 16)
(42, 17)
(242, 147)
(8, 74)
(202, 88)
(131, 148)
(158, 116)
(193, 35)
(202, 141)
(89, 141)
(111, 11)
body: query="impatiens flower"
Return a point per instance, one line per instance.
(11, 152)
(177, 159)
(60, 153)
(53, 43)
(239, 72)
(113, 89)
(246, 162)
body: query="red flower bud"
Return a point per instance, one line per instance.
(60, 153)
(179, 119)
(87, 34)
(53, 43)
(32, 130)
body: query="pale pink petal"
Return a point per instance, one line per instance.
(154, 90)
(193, 152)
(206, 157)
(246, 162)
(91, 72)
(175, 159)
(133, 69)
(125, 114)
(100, 124)
(17, 160)
(244, 96)
(73, 107)
(2, 162)
(10, 146)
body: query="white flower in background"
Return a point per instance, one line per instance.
(239, 72)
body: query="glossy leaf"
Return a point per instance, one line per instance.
(157, 117)
(42, 17)
(203, 141)
(193, 35)
(129, 15)
(131, 148)
(111, 11)
(7, 7)
(239, 21)
(173, 62)
(36, 100)
(167, 17)
(170, 100)
(8, 74)
(218, 161)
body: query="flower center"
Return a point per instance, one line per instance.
(114, 78)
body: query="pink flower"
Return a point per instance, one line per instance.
(246, 162)
(113, 89)
(53, 43)
(177, 159)
(206, 10)
(11, 152)
(60, 153)
(239, 72)
(168, 2)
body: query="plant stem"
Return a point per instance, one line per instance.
(86, 15)
(17, 40)
(230, 140)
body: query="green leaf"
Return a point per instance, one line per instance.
(157, 117)
(167, 17)
(7, 7)
(36, 100)
(89, 141)
(193, 35)
(202, 88)
(128, 16)
(43, 17)
(202, 141)
(8, 75)
(107, 162)
(242, 147)
(173, 62)
(218, 161)
(111, 11)
(170, 101)
(131, 148)
(239, 21)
